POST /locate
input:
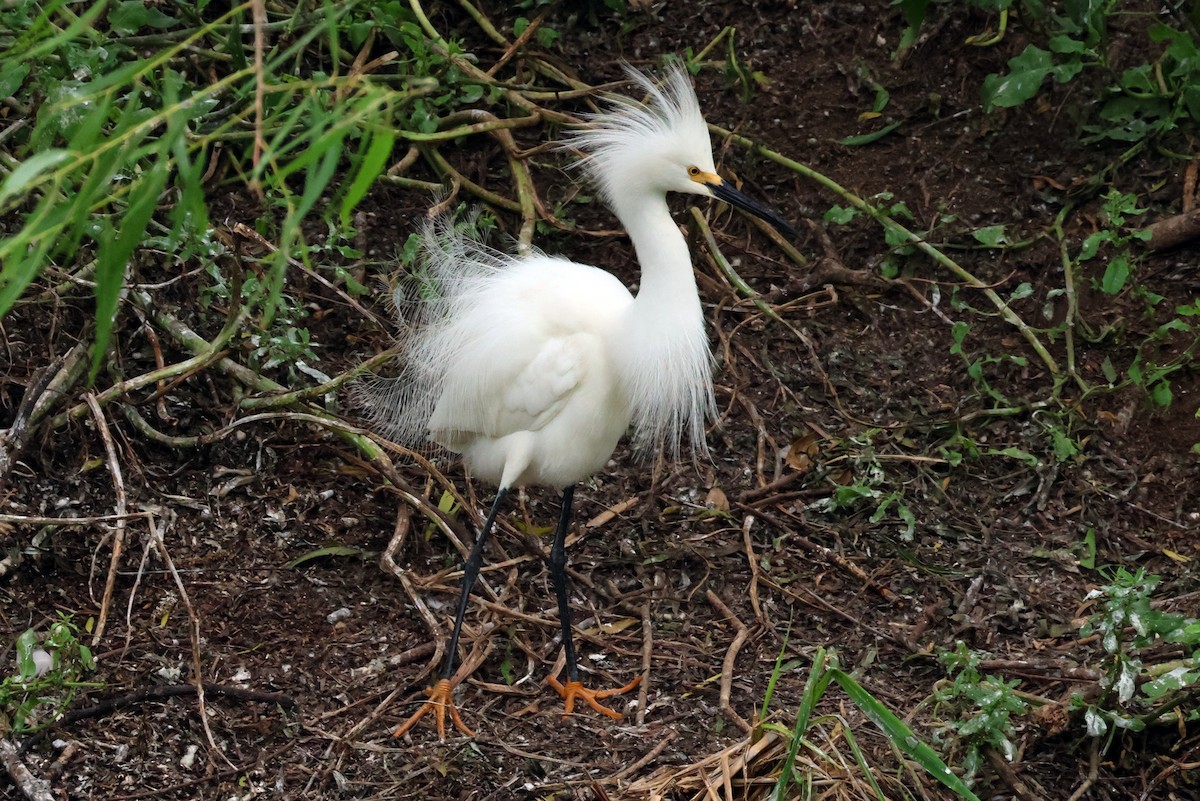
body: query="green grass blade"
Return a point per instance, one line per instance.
(814, 688)
(852, 742)
(82, 24)
(900, 734)
(25, 175)
(370, 167)
(113, 256)
(24, 254)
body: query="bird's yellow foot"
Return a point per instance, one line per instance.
(574, 689)
(440, 700)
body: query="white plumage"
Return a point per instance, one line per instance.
(513, 353)
(533, 367)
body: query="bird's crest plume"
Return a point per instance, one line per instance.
(629, 133)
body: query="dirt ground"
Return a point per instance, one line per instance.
(697, 576)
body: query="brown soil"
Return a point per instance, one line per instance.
(856, 385)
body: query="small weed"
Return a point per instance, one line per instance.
(1118, 207)
(49, 671)
(1136, 693)
(982, 706)
(1137, 104)
(976, 366)
(1128, 626)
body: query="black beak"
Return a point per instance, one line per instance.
(724, 191)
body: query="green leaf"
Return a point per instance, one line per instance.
(1065, 44)
(868, 138)
(330, 550)
(1116, 274)
(882, 97)
(12, 79)
(992, 236)
(959, 333)
(1065, 72)
(1135, 371)
(1027, 71)
(1171, 325)
(814, 687)
(914, 11)
(1023, 290)
(131, 15)
(1174, 680)
(1110, 372)
(1088, 559)
(28, 170)
(369, 168)
(1092, 244)
(1064, 445)
(1161, 394)
(840, 215)
(112, 257)
(83, 21)
(1016, 453)
(25, 645)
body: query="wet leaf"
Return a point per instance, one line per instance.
(992, 236)
(1026, 73)
(716, 499)
(619, 625)
(331, 550)
(802, 452)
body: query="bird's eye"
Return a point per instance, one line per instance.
(693, 171)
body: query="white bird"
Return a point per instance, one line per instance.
(533, 367)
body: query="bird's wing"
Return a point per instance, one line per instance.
(527, 345)
(505, 388)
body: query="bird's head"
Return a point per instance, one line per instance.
(635, 149)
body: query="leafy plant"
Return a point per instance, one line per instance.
(50, 667)
(982, 707)
(1127, 626)
(1137, 104)
(119, 142)
(1118, 207)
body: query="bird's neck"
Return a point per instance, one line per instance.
(667, 283)
(663, 351)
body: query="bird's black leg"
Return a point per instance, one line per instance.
(572, 688)
(440, 695)
(558, 575)
(470, 573)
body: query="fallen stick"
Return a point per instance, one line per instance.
(31, 786)
(1173, 231)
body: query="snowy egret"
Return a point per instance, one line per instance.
(533, 367)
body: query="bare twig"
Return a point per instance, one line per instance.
(519, 42)
(650, 756)
(156, 536)
(118, 544)
(31, 786)
(647, 660)
(728, 665)
(1093, 771)
(1174, 231)
(909, 237)
(259, 20)
(753, 563)
(387, 561)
